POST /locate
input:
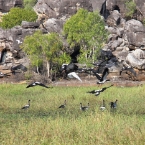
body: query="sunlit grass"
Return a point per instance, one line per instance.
(43, 123)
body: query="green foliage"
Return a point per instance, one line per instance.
(87, 30)
(130, 7)
(29, 4)
(43, 47)
(16, 16)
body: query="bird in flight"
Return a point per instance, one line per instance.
(130, 69)
(36, 84)
(26, 106)
(19, 42)
(74, 75)
(102, 79)
(97, 92)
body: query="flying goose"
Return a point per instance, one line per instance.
(19, 42)
(102, 79)
(35, 84)
(113, 104)
(74, 75)
(97, 92)
(63, 105)
(26, 106)
(130, 69)
(102, 108)
(84, 108)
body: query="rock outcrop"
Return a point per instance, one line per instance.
(126, 39)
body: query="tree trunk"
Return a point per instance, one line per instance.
(48, 66)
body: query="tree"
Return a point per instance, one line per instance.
(29, 4)
(16, 16)
(44, 48)
(130, 8)
(87, 30)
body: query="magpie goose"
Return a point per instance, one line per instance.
(113, 104)
(35, 84)
(102, 108)
(63, 105)
(26, 106)
(19, 42)
(84, 108)
(130, 69)
(74, 75)
(102, 79)
(18, 67)
(97, 92)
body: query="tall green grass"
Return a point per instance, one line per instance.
(44, 124)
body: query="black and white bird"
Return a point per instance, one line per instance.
(102, 108)
(19, 42)
(18, 67)
(74, 75)
(26, 106)
(84, 108)
(113, 104)
(68, 70)
(63, 105)
(97, 92)
(36, 84)
(130, 69)
(102, 79)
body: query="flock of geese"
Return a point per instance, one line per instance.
(83, 108)
(72, 74)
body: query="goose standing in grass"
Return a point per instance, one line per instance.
(36, 84)
(102, 79)
(26, 106)
(102, 108)
(84, 108)
(63, 105)
(97, 92)
(113, 104)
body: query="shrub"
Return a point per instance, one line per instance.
(130, 8)
(29, 4)
(16, 16)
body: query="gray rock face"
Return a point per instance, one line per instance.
(136, 59)
(135, 32)
(125, 39)
(6, 5)
(60, 9)
(54, 25)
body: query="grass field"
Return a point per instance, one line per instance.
(44, 124)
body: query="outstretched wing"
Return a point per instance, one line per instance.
(97, 76)
(105, 74)
(132, 71)
(92, 92)
(30, 85)
(40, 84)
(74, 75)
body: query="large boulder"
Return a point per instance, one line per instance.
(60, 9)
(135, 32)
(136, 59)
(6, 5)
